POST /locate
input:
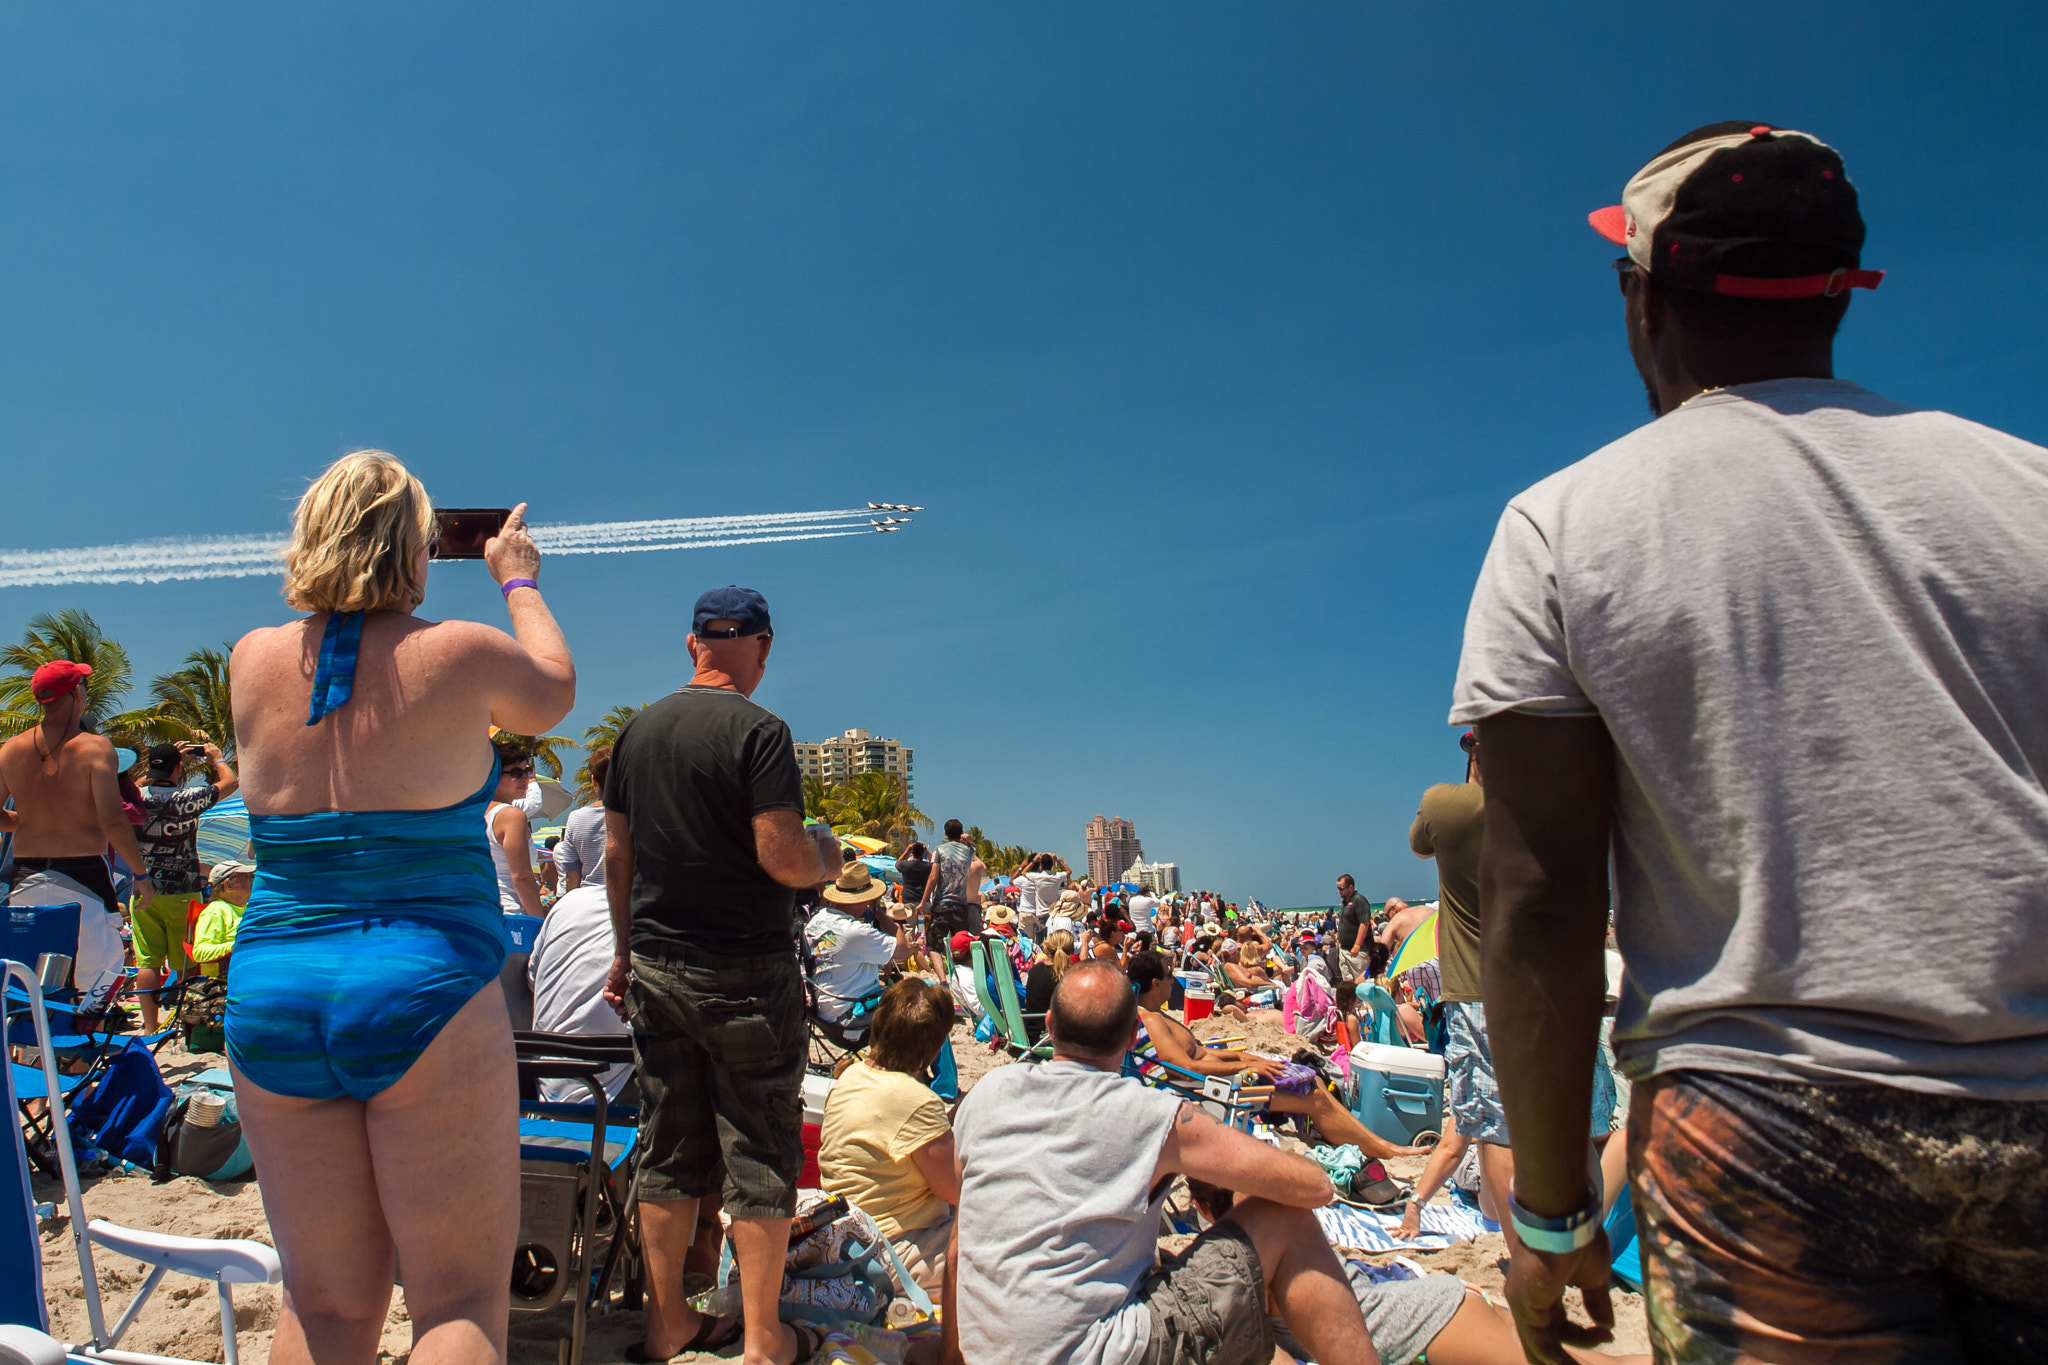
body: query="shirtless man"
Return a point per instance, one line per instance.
(67, 811)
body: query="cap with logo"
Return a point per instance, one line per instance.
(730, 603)
(164, 758)
(1745, 210)
(57, 678)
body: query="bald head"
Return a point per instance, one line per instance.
(1094, 1014)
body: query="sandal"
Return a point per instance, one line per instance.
(708, 1338)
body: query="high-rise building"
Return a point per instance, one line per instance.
(1161, 879)
(838, 760)
(1112, 846)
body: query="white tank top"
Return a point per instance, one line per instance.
(507, 897)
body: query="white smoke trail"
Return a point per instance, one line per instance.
(204, 557)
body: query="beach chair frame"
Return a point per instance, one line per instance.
(1004, 1014)
(227, 1262)
(586, 1184)
(1224, 1098)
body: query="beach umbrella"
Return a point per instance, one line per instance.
(883, 867)
(994, 884)
(865, 844)
(543, 834)
(1416, 949)
(224, 833)
(1123, 886)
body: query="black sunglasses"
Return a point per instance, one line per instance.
(730, 633)
(1624, 270)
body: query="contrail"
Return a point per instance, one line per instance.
(201, 557)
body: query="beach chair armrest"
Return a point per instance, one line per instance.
(26, 1346)
(223, 1260)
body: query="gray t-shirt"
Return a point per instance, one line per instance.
(1816, 624)
(1058, 1221)
(582, 847)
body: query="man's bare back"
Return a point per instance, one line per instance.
(66, 796)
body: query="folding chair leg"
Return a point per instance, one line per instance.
(227, 1323)
(156, 1275)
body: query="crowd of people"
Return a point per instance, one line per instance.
(1776, 658)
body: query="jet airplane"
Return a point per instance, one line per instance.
(880, 527)
(892, 507)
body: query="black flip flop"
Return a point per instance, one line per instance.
(707, 1339)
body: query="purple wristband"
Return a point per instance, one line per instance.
(512, 583)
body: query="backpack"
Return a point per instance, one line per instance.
(215, 1152)
(121, 1113)
(202, 1014)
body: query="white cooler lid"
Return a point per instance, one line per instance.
(1406, 1061)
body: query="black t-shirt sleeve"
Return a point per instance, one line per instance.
(616, 784)
(773, 780)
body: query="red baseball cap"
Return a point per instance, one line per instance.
(57, 678)
(962, 941)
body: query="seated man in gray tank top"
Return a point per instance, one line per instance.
(1064, 1168)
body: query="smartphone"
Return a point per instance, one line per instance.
(460, 532)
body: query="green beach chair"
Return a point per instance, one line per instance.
(1004, 1016)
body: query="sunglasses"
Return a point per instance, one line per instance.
(729, 633)
(1624, 271)
(519, 772)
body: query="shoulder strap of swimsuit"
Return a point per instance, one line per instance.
(334, 680)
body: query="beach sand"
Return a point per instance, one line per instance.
(182, 1318)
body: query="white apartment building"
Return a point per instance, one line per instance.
(840, 759)
(1160, 879)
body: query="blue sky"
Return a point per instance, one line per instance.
(1213, 336)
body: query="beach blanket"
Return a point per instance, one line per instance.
(1364, 1230)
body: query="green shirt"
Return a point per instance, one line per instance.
(1447, 828)
(214, 938)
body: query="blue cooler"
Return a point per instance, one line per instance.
(1398, 1092)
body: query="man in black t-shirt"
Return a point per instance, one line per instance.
(705, 849)
(1354, 931)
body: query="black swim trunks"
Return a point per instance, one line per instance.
(88, 870)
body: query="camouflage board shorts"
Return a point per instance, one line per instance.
(1782, 1221)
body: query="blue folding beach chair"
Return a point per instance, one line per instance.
(579, 1229)
(1627, 1258)
(24, 1317)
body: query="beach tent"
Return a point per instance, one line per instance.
(994, 884)
(1416, 949)
(883, 867)
(224, 833)
(1123, 886)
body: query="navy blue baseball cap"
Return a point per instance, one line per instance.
(731, 603)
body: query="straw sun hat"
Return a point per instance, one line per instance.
(1001, 914)
(855, 886)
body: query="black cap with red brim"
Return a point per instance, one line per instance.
(1745, 210)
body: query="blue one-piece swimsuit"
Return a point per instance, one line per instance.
(366, 930)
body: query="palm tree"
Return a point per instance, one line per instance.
(876, 805)
(816, 797)
(192, 702)
(602, 735)
(70, 634)
(545, 749)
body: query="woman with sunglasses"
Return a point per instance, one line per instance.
(511, 833)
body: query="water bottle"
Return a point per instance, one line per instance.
(886, 1346)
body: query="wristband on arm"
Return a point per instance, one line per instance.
(1556, 1236)
(514, 583)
